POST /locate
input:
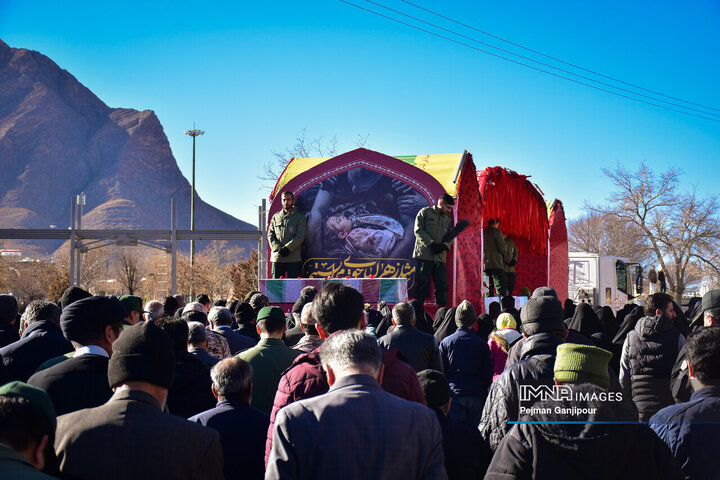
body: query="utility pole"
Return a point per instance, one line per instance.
(193, 133)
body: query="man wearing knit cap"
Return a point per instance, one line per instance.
(466, 360)
(146, 443)
(269, 358)
(92, 325)
(572, 432)
(543, 325)
(27, 426)
(73, 294)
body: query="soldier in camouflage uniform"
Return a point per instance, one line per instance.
(431, 224)
(285, 236)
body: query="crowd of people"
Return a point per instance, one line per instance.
(100, 387)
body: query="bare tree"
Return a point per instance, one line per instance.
(606, 234)
(303, 147)
(210, 273)
(129, 268)
(244, 275)
(678, 227)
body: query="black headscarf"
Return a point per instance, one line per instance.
(448, 326)
(384, 325)
(585, 321)
(569, 309)
(608, 321)
(485, 325)
(439, 318)
(421, 321)
(628, 325)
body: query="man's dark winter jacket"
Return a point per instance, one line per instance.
(648, 356)
(467, 364)
(236, 341)
(691, 430)
(588, 451)
(306, 378)
(420, 349)
(680, 378)
(466, 455)
(242, 432)
(537, 359)
(190, 392)
(77, 383)
(8, 334)
(41, 341)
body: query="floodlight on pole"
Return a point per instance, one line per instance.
(193, 133)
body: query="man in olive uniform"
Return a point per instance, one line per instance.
(495, 250)
(431, 224)
(285, 235)
(511, 258)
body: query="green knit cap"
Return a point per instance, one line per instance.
(576, 363)
(34, 396)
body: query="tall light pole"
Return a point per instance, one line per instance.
(193, 133)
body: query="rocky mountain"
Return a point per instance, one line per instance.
(58, 139)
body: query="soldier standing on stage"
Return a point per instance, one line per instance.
(431, 225)
(285, 236)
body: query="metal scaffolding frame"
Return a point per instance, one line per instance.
(85, 240)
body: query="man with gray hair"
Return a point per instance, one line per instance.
(41, 340)
(356, 413)
(419, 348)
(220, 320)
(242, 428)
(198, 342)
(154, 309)
(311, 340)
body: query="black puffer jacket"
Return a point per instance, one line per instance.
(587, 450)
(535, 367)
(648, 356)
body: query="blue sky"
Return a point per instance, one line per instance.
(254, 74)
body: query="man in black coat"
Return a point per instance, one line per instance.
(190, 391)
(242, 429)
(41, 340)
(420, 349)
(8, 320)
(583, 430)
(92, 324)
(130, 436)
(544, 327)
(648, 356)
(466, 456)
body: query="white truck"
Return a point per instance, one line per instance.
(602, 279)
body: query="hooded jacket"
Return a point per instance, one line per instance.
(587, 450)
(648, 356)
(537, 359)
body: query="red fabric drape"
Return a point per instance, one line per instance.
(558, 250)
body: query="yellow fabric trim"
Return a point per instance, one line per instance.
(443, 167)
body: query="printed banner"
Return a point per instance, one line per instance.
(360, 224)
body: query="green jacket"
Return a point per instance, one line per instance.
(15, 466)
(286, 230)
(511, 255)
(495, 248)
(269, 359)
(430, 226)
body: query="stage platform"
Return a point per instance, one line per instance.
(284, 291)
